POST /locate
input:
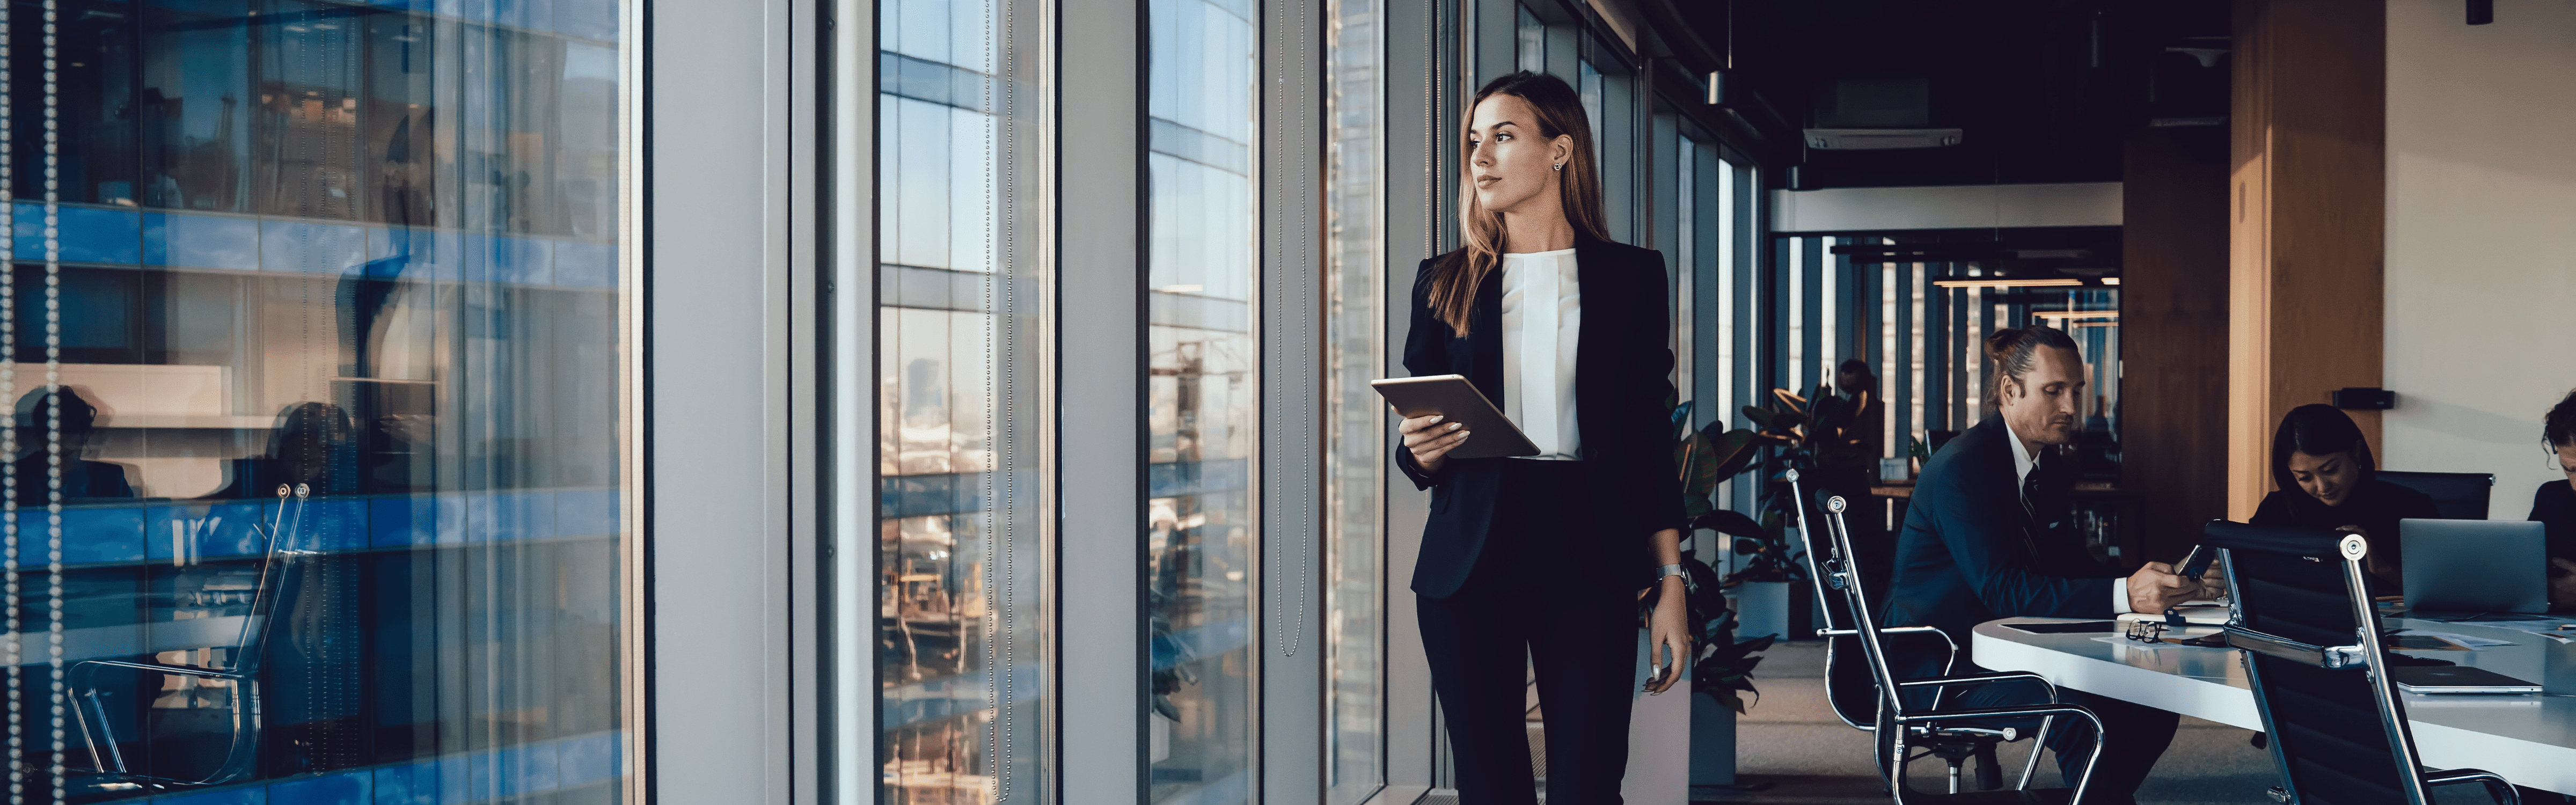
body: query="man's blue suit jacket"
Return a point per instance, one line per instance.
(1970, 554)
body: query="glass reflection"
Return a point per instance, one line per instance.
(1354, 281)
(1201, 400)
(318, 320)
(961, 528)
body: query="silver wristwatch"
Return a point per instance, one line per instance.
(1669, 571)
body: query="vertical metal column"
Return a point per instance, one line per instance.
(1290, 327)
(1101, 304)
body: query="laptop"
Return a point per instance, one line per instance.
(2459, 569)
(2456, 679)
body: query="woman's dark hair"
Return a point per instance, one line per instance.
(313, 441)
(77, 414)
(2014, 350)
(1560, 113)
(2318, 429)
(2559, 426)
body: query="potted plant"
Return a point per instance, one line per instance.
(1802, 436)
(1723, 669)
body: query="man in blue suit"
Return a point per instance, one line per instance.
(1988, 536)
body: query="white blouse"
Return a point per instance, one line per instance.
(1542, 319)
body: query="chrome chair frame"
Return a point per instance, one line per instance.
(2416, 782)
(1927, 722)
(241, 668)
(1954, 745)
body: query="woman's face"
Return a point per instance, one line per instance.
(1507, 159)
(2567, 462)
(2328, 478)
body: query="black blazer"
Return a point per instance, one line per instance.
(2373, 505)
(1970, 553)
(1623, 360)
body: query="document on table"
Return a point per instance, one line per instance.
(2544, 628)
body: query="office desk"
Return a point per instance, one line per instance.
(2531, 740)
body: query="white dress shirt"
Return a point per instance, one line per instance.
(2023, 463)
(1542, 318)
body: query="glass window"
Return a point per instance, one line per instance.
(1588, 86)
(1355, 457)
(1200, 535)
(962, 601)
(1529, 46)
(1684, 223)
(314, 310)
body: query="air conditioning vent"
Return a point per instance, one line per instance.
(1881, 139)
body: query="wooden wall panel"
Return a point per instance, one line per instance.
(2173, 322)
(2306, 240)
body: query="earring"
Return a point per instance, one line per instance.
(1557, 167)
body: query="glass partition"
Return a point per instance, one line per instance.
(962, 345)
(317, 435)
(1201, 414)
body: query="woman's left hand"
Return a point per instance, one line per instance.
(1668, 635)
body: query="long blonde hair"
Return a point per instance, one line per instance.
(1560, 112)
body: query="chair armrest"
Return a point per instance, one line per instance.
(2497, 786)
(1947, 660)
(1980, 679)
(181, 670)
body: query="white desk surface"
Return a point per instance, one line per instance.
(2530, 739)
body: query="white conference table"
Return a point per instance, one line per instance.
(2530, 739)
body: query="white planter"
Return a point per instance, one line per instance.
(1659, 740)
(1712, 736)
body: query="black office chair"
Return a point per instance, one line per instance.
(1902, 728)
(2303, 615)
(1853, 693)
(2459, 495)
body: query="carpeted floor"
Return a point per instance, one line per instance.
(1792, 750)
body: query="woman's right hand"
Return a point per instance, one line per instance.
(1430, 441)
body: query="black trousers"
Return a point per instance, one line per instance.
(2134, 735)
(1523, 604)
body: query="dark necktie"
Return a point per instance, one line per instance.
(2034, 505)
(2030, 490)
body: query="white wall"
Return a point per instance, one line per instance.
(2481, 323)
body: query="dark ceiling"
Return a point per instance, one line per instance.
(2045, 90)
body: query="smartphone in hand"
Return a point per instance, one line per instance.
(2196, 564)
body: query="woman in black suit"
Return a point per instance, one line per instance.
(2326, 479)
(1544, 557)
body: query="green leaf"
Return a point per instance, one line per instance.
(1729, 455)
(1761, 416)
(1790, 400)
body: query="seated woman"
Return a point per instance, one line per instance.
(2325, 479)
(2554, 505)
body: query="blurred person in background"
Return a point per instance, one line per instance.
(83, 478)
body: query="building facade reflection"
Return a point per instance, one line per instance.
(367, 253)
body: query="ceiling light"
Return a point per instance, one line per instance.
(2110, 280)
(2076, 314)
